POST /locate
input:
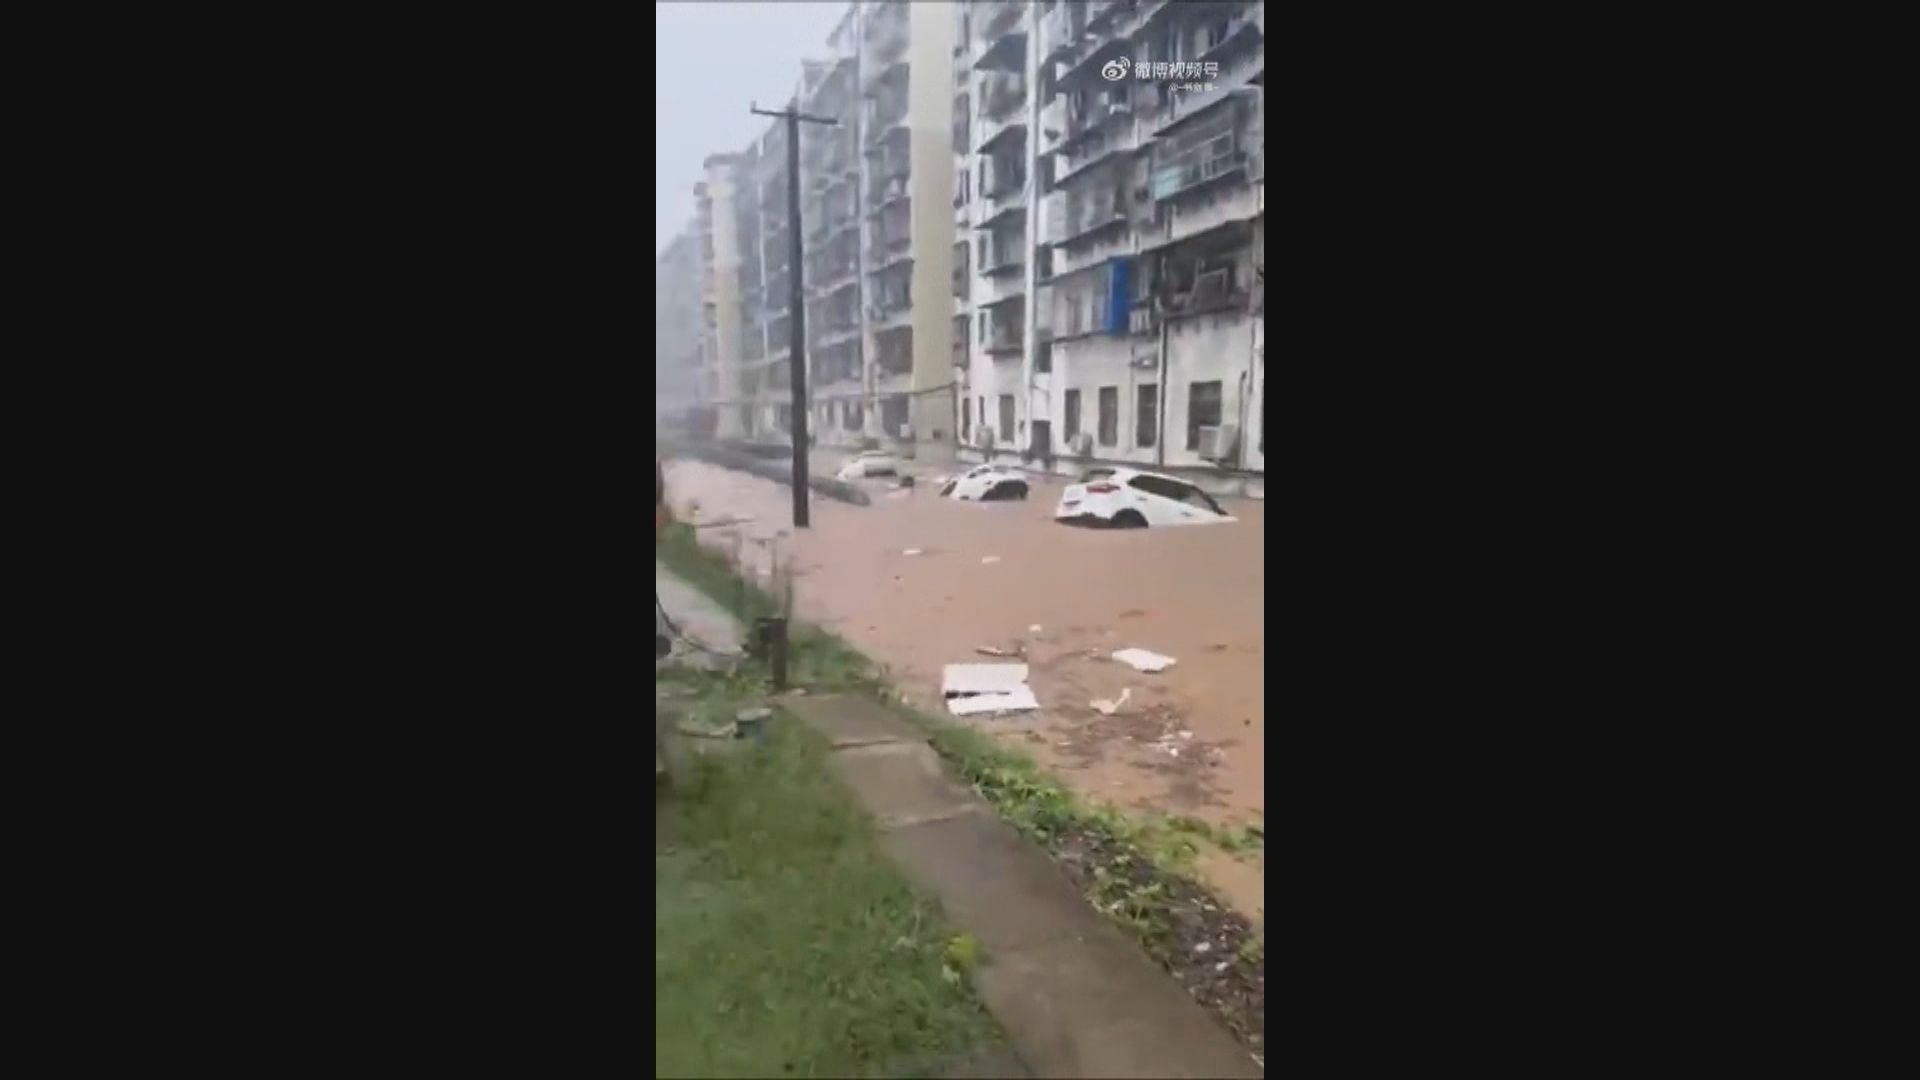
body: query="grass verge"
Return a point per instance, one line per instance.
(785, 943)
(1136, 869)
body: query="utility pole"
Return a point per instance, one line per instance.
(797, 309)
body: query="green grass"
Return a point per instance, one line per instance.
(816, 659)
(784, 942)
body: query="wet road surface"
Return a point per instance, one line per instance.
(1189, 740)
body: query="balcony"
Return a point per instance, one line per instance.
(1061, 30)
(1085, 217)
(1001, 263)
(996, 17)
(886, 35)
(1082, 63)
(1006, 52)
(885, 189)
(1175, 109)
(1199, 157)
(1007, 182)
(1003, 339)
(1004, 288)
(1002, 96)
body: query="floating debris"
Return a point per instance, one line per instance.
(986, 688)
(1144, 660)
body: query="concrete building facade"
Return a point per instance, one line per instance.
(876, 201)
(1035, 230)
(722, 222)
(1115, 194)
(677, 317)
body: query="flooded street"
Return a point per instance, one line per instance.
(1188, 740)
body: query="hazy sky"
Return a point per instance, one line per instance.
(712, 60)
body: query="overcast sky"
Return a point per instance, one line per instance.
(712, 60)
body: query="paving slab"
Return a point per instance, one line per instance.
(989, 879)
(901, 783)
(1075, 996)
(848, 720)
(1094, 1005)
(696, 616)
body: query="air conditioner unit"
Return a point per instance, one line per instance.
(1081, 444)
(1217, 443)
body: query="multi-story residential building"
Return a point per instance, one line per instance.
(998, 177)
(677, 328)
(723, 226)
(1051, 209)
(830, 173)
(1112, 200)
(905, 135)
(876, 192)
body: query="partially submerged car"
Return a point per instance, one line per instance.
(1131, 499)
(869, 463)
(987, 483)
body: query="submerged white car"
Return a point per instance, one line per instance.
(1131, 499)
(987, 483)
(869, 463)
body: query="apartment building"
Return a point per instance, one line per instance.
(998, 178)
(677, 319)
(723, 222)
(876, 272)
(1111, 198)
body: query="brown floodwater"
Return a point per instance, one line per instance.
(1189, 740)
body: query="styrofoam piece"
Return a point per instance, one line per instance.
(982, 679)
(1018, 700)
(1144, 660)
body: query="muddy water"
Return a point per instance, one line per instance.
(1189, 739)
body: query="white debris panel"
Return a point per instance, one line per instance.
(986, 688)
(1144, 660)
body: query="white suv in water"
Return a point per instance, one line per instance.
(1131, 499)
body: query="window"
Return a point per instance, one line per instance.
(1007, 434)
(1109, 415)
(1203, 410)
(1146, 420)
(854, 419)
(1180, 492)
(966, 419)
(1043, 357)
(1071, 426)
(983, 315)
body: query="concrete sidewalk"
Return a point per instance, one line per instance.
(1074, 994)
(696, 617)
